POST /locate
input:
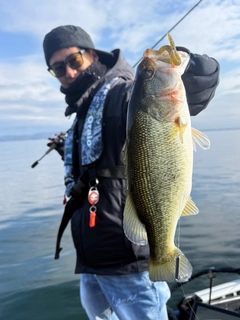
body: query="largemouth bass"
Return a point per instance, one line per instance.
(159, 161)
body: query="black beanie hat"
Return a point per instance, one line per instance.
(70, 36)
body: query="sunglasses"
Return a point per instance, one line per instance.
(74, 61)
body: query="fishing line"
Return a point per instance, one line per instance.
(171, 29)
(187, 302)
(181, 285)
(178, 258)
(178, 233)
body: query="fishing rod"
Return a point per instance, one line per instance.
(53, 146)
(171, 29)
(57, 143)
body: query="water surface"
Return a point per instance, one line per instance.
(35, 286)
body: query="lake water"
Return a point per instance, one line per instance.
(35, 286)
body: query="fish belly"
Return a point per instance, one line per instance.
(159, 181)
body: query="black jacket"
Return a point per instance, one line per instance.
(104, 249)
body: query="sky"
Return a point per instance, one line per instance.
(30, 100)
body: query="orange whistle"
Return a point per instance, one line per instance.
(92, 221)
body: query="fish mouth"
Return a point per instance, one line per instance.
(166, 54)
(161, 60)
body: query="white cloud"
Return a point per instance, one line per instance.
(28, 93)
(213, 27)
(230, 83)
(131, 24)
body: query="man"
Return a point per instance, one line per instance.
(97, 85)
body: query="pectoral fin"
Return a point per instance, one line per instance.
(182, 127)
(201, 139)
(190, 209)
(134, 230)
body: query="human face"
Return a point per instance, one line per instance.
(71, 74)
(74, 61)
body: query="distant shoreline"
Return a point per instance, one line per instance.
(35, 136)
(46, 135)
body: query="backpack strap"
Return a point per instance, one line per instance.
(69, 209)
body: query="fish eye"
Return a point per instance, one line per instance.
(148, 72)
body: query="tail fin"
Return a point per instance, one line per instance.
(177, 268)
